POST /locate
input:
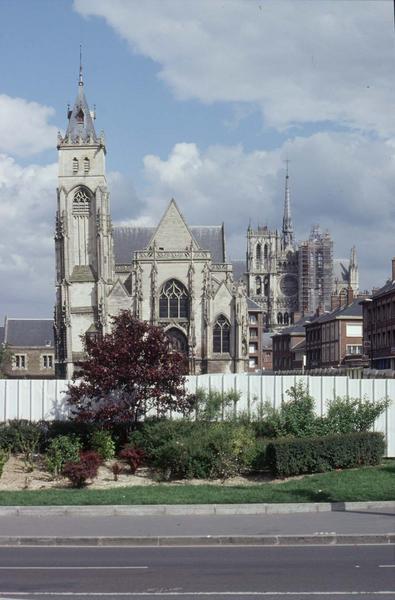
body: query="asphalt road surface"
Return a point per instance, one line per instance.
(336, 572)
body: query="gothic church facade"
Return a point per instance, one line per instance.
(171, 275)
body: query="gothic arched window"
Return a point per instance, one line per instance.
(286, 318)
(81, 203)
(280, 318)
(173, 301)
(258, 285)
(75, 165)
(259, 253)
(82, 227)
(265, 251)
(221, 335)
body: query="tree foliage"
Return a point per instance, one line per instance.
(127, 373)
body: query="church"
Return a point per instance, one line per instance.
(173, 275)
(176, 275)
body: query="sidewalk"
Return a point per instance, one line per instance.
(358, 522)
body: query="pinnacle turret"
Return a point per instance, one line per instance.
(288, 229)
(80, 128)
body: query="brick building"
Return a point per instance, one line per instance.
(289, 347)
(334, 339)
(30, 348)
(379, 325)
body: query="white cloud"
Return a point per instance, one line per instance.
(299, 62)
(345, 182)
(24, 127)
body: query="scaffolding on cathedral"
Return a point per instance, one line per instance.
(315, 271)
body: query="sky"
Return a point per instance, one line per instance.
(203, 101)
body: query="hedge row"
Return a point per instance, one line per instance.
(288, 457)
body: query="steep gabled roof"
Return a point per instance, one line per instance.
(29, 333)
(128, 240)
(80, 120)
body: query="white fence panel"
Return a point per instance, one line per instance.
(36, 400)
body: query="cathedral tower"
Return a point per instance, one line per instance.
(83, 238)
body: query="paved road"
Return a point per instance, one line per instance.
(339, 572)
(288, 524)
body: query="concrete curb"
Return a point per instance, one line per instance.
(207, 540)
(192, 509)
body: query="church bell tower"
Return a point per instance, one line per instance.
(83, 238)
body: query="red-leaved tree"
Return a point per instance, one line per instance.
(128, 372)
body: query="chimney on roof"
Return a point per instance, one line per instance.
(350, 295)
(335, 303)
(393, 269)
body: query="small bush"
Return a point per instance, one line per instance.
(54, 429)
(86, 468)
(346, 415)
(61, 450)
(133, 457)
(101, 441)
(214, 405)
(289, 457)
(20, 436)
(185, 449)
(3, 459)
(116, 470)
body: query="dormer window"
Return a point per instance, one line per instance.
(87, 165)
(80, 116)
(75, 165)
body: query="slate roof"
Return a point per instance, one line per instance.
(298, 327)
(80, 127)
(29, 332)
(386, 289)
(267, 340)
(352, 310)
(128, 240)
(341, 269)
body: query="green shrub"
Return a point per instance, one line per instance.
(346, 415)
(213, 405)
(54, 429)
(61, 450)
(3, 459)
(101, 441)
(185, 449)
(20, 435)
(286, 457)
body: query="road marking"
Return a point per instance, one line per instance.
(130, 594)
(79, 568)
(387, 566)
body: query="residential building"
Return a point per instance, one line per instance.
(379, 325)
(30, 348)
(334, 339)
(289, 347)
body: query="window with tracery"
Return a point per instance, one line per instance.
(81, 203)
(173, 301)
(221, 335)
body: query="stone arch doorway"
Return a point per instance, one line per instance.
(178, 340)
(179, 343)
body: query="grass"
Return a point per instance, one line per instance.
(367, 483)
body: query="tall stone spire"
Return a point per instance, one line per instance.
(288, 230)
(353, 270)
(80, 128)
